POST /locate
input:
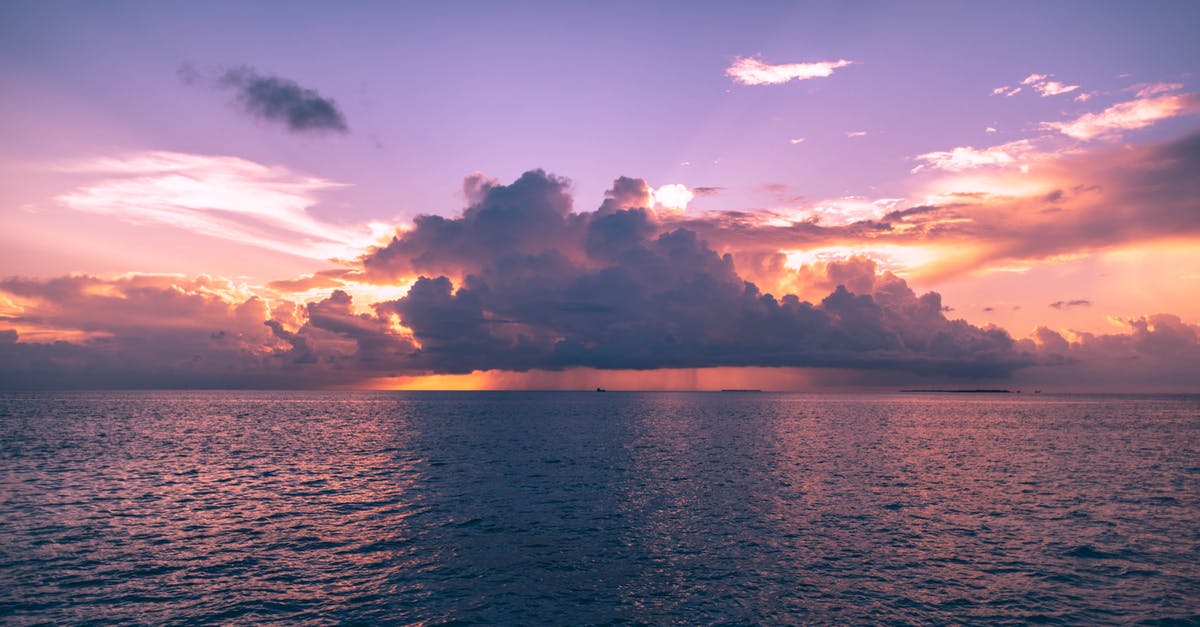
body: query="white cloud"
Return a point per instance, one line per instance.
(751, 71)
(856, 133)
(1040, 83)
(796, 140)
(1054, 88)
(967, 157)
(217, 196)
(1126, 116)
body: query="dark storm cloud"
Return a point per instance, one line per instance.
(1067, 304)
(277, 99)
(540, 287)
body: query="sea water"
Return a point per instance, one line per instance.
(589, 508)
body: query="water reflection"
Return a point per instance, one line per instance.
(584, 508)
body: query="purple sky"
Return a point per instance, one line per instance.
(109, 108)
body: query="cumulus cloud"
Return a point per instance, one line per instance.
(1158, 352)
(1127, 116)
(752, 71)
(622, 288)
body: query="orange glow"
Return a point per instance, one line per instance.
(681, 379)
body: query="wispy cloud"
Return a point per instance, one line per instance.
(968, 157)
(1145, 90)
(1042, 84)
(752, 71)
(1126, 116)
(1068, 304)
(219, 196)
(856, 133)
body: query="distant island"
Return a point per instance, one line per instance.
(958, 390)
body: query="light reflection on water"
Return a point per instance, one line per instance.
(597, 508)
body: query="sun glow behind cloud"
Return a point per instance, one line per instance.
(673, 198)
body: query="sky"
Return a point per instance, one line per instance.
(792, 196)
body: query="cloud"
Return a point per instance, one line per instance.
(140, 330)
(856, 133)
(752, 71)
(1068, 304)
(519, 282)
(1146, 90)
(1072, 202)
(1126, 116)
(276, 99)
(173, 331)
(968, 157)
(796, 140)
(217, 196)
(1042, 84)
(1158, 352)
(1007, 91)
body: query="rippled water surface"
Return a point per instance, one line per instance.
(569, 508)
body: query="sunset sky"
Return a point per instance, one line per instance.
(792, 196)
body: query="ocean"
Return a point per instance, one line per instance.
(571, 508)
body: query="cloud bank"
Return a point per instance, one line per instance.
(517, 282)
(522, 281)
